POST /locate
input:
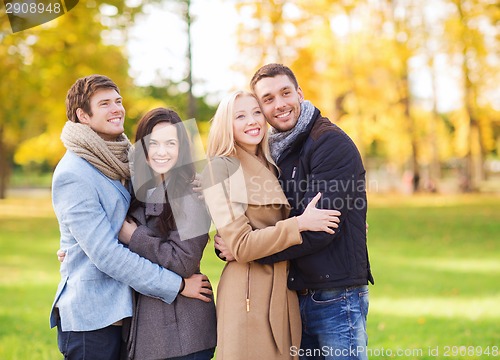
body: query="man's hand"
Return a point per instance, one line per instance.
(224, 252)
(197, 287)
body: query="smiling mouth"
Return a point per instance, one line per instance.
(117, 120)
(253, 132)
(161, 161)
(284, 115)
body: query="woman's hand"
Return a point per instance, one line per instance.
(61, 254)
(128, 228)
(197, 286)
(314, 219)
(224, 252)
(197, 187)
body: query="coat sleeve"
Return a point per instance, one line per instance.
(173, 251)
(84, 216)
(230, 219)
(337, 172)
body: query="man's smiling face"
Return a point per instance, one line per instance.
(280, 101)
(108, 114)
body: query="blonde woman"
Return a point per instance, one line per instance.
(257, 316)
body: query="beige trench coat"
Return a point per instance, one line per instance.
(257, 316)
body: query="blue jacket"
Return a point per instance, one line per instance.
(324, 159)
(97, 271)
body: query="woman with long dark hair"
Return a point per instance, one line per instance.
(160, 228)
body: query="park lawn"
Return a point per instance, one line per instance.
(436, 262)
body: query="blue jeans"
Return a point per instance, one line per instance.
(200, 355)
(102, 344)
(334, 323)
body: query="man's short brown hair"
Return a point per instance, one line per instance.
(272, 70)
(82, 90)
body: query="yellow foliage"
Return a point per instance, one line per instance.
(461, 121)
(354, 61)
(46, 147)
(136, 108)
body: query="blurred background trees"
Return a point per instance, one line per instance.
(413, 82)
(379, 68)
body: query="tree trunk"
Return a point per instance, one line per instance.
(403, 25)
(415, 166)
(191, 98)
(474, 162)
(4, 167)
(435, 167)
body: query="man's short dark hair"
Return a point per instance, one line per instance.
(272, 70)
(82, 90)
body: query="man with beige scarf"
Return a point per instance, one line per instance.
(91, 202)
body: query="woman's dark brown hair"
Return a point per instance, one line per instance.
(180, 176)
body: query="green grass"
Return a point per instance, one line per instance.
(436, 262)
(30, 179)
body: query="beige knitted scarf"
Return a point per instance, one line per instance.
(109, 157)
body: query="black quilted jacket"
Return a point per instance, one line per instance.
(324, 159)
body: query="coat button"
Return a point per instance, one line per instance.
(292, 279)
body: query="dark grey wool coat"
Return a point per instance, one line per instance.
(159, 330)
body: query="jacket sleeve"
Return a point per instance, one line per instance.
(85, 218)
(173, 251)
(246, 244)
(335, 171)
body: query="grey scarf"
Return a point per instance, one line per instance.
(279, 141)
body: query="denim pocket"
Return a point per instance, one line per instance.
(364, 303)
(328, 296)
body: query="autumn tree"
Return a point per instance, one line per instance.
(471, 41)
(43, 62)
(14, 49)
(266, 33)
(362, 63)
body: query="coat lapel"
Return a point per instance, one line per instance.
(117, 184)
(262, 185)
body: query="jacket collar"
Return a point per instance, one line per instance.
(299, 142)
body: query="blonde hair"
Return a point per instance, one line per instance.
(221, 135)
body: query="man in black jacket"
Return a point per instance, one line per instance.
(329, 272)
